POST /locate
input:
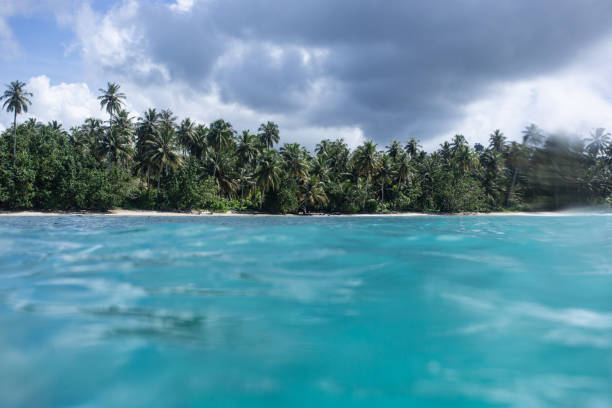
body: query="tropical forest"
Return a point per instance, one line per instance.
(158, 161)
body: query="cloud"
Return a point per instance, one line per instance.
(182, 5)
(114, 43)
(574, 100)
(391, 71)
(9, 47)
(70, 103)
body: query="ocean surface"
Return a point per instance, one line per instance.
(306, 311)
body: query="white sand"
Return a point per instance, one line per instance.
(143, 213)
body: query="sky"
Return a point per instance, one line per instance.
(355, 69)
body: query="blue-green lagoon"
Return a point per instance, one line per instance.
(306, 311)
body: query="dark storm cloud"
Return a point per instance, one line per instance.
(392, 67)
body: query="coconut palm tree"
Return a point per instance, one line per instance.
(115, 146)
(366, 162)
(17, 100)
(532, 136)
(412, 148)
(394, 150)
(323, 148)
(268, 134)
(497, 141)
(245, 181)
(55, 126)
(89, 134)
(223, 173)
(167, 118)
(385, 173)
(597, 142)
(145, 128)
(312, 193)
(246, 149)
(295, 159)
(111, 99)
(186, 131)
(199, 145)
(404, 170)
(268, 174)
(220, 137)
(320, 169)
(161, 152)
(492, 166)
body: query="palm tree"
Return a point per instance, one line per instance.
(320, 169)
(246, 149)
(497, 141)
(412, 148)
(269, 134)
(161, 151)
(366, 161)
(532, 135)
(492, 166)
(111, 99)
(223, 173)
(220, 137)
(384, 174)
(403, 170)
(295, 158)
(458, 145)
(55, 126)
(186, 132)
(167, 118)
(312, 193)
(17, 100)
(199, 145)
(323, 147)
(115, 146)
(244, 180)
(148, 122)
(89, 135)
(598, 142)
(268, 173)
(394, 150)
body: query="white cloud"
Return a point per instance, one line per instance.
(574, 100)
(69, 104)
(115, 46)
(72, 103)
(114, 41)
(9, 48)
(182, 6)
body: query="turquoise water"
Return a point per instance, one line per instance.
(306, 312)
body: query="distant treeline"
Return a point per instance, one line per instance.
(157, 162)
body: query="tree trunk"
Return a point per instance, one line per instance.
(15, 135)
(511, 187)
(215, 166)
(382, 192)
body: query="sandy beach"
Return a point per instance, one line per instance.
(147, 213)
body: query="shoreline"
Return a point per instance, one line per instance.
(150, 213)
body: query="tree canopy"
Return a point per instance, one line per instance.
(156, 161)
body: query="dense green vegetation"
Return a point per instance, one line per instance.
(156, 162)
